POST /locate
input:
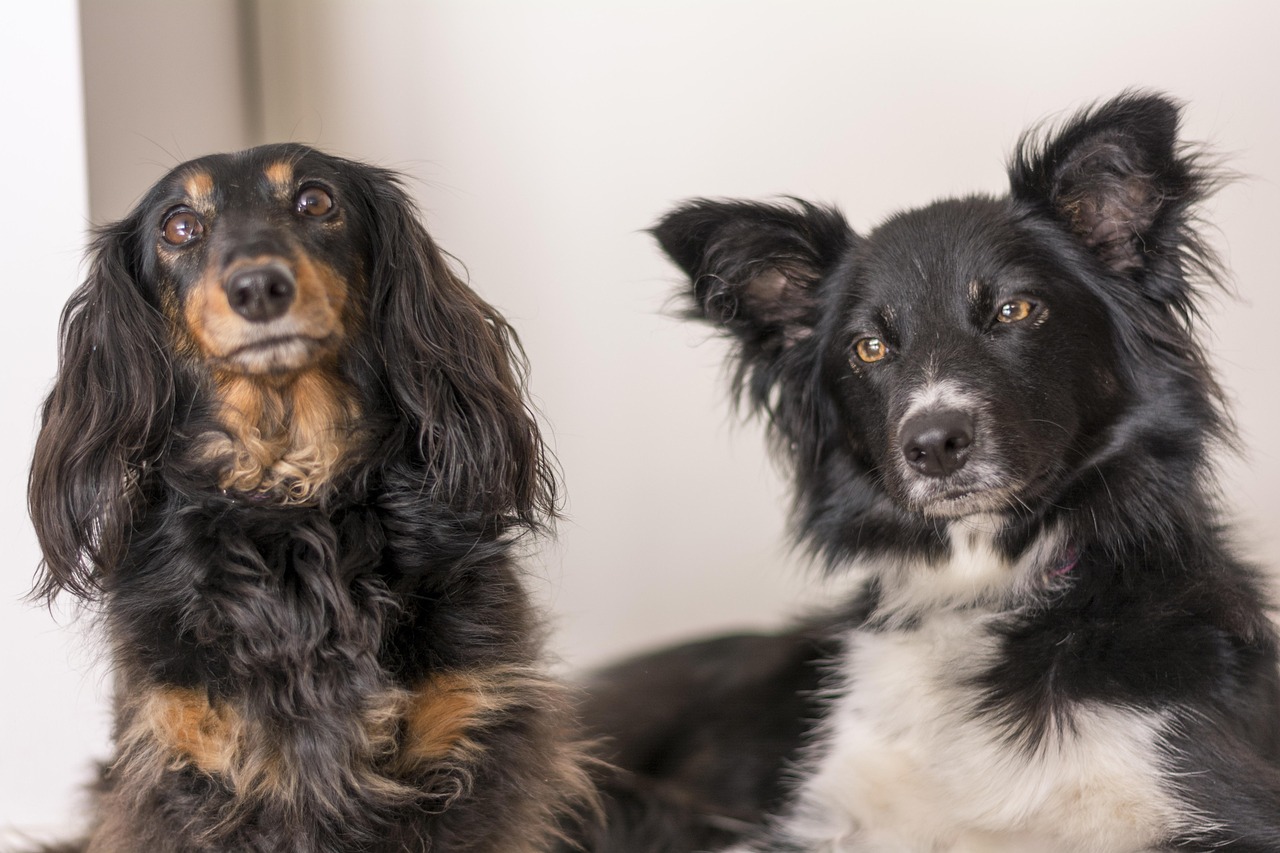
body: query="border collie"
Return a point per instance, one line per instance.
(995, 409)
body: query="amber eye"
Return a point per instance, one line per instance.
(181, 227)
(870, 350)
(314, 201)
(1015, 310)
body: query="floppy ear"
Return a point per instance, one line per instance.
(1120, 182)
(105, 422)
(455, 369)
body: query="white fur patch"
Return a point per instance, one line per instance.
(986, 469)
(940, 396)
(975, 572)
(904, 764)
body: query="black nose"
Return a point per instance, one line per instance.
(261, 293)
(937, 443)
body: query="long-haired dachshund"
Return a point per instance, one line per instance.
(289, 455)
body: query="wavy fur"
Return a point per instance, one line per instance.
(291, 460)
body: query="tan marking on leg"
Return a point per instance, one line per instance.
(439, 715)
(450, 706)
(444, 724)
(187, 728)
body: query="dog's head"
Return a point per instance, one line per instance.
(977, 355)
(263, 323)
(255, 261)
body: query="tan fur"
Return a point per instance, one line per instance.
(285, 432)
(289, 439)
(441, 712)
(398, 732)
(172, 728)
(443, 715)
(199, 189)
(317, 311)
(188, 728)
(281, 176)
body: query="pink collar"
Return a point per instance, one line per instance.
(1068, 562)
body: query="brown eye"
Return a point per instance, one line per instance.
(870, 350)
(181, 227)
(314, 201)
(1015, 310)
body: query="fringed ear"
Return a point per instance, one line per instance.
(104, 424)
(754, 267)
(1118, 179)
(754, 270)
(455, 369)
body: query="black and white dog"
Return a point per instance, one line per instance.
(997, 409)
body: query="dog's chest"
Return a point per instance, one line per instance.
(910, 762)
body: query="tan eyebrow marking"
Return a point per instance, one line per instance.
(199, 189)
(280, 174)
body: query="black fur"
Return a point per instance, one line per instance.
(694, 736)
(1082, 423)
(304, 626)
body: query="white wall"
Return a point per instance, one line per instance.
(542, 138)
(545, 136)
(160, 88)
(150, 102)
(51, 715)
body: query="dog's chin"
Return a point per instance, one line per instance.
(277, 356)
(962, 502)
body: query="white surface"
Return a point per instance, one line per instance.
(543, 137)
(51, 710)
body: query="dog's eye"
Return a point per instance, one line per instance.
(314, 201)
(1015, 310)
(181, 227)
(870, 350)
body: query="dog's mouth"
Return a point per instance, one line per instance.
(281, 353)
(956, 503)
(267, 318)
(951, 456)
(997, 492)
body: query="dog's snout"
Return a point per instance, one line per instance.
(937, 443)
(261, 293)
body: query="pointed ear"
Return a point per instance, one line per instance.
(454, 368)
(105, 422)
(755, 267)
(1117, 178)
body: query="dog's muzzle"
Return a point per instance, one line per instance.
(936, 444)
(262, 292)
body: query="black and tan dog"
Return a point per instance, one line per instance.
(289, 456)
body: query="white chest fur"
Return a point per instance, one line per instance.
(905, 763)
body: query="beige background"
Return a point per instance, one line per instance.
(541, 139)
